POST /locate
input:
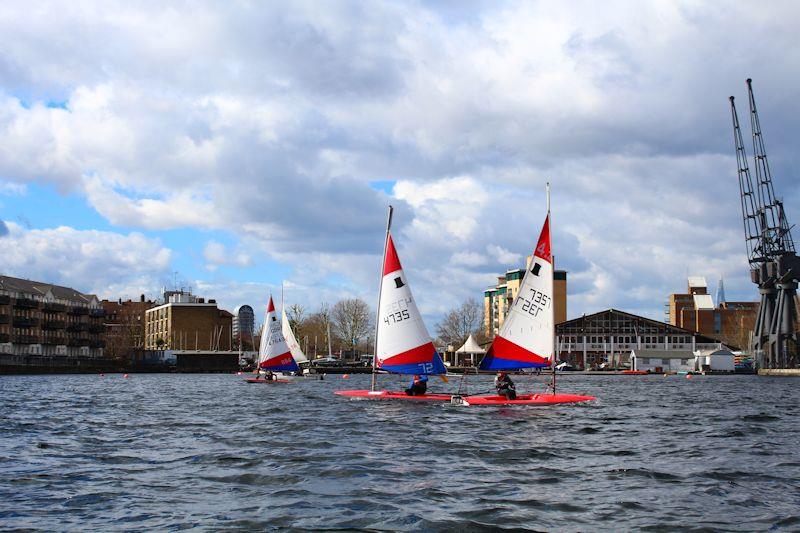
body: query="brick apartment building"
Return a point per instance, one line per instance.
(730, 322)
(124, 321)
(187, 322)
(42, 319)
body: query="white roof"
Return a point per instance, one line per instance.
(664, 354)
(471, 346)
(697, 281)
(703, 301)
(716, 351)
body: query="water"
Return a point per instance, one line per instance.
(210, 452)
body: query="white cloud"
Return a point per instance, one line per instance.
(217, 254)
(108, 264)
(269, 121)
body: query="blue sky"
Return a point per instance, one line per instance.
(261, 144)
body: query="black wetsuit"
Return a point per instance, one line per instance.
(505, 387)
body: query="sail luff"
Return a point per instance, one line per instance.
(378, 308)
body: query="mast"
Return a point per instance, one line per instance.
(378, 309)
(552, 285)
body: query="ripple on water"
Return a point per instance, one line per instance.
(208, 452)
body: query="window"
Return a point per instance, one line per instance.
(665, 361)
(645, 360)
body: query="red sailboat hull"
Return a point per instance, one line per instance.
(523, 399)
(392, 395)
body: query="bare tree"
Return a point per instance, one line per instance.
(351, 321)
(460, 323)
(296, 314)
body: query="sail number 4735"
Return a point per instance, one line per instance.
(396, 311)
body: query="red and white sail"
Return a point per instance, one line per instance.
(273, 352)
(291, 341)
(403, 345)
(526, 338)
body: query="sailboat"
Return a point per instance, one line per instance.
(273, 353)
(526, 339)
(402, 342)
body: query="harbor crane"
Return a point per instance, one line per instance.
(774, 264)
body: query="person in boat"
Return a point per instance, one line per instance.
(269, 376)
(418, 385)
(505, 387)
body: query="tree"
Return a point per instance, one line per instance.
(351, 321)
(296, 314)
(460, 323)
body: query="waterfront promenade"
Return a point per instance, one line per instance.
(156, 452)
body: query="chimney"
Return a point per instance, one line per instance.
(141, 298)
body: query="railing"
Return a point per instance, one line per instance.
(5, 337)
(77, 310)
(5, 299)
(54, 340)
(96, 328)
(25, 322)
(26, 303)
(79, 326)
(53, 324)
(5, 319)
(97, 312)
(24, 339)
(54, 307)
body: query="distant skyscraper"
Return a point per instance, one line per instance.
(244, 320)
(720, 293)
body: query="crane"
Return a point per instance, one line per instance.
(774, 264)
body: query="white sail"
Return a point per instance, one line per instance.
(404, 345)
(273, 352)
(291, 341)
(526, 337)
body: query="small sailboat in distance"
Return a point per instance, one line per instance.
(402, 342)
(274, 354)
(526, 339)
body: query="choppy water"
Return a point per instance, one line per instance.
(210, 452)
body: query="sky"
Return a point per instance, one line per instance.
(234, 146)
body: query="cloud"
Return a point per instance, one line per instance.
(217, 254)
(269, 121)
(3, 229)
(108, 264)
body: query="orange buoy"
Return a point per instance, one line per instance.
(125, 376)
(688, 376)
(101, 374)
(345, 376)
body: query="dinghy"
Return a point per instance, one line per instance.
(273, 353)
(526, 339)
(402, 345)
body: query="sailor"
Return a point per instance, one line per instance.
(418, 385)
(505, 387)
(269, 376)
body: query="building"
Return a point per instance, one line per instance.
(244, 322)
(498, 299)
(663, 360)
(720, 360)
(42, 319)
(609, 336)
(124, 323)
(187, 322)
(729, 322)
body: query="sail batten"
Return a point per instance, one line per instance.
(526, 338)
(403, 343)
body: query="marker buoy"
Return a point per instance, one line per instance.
(125, 376)
(688, 376)
(345, 376)
(101, 374)
(238, 373)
